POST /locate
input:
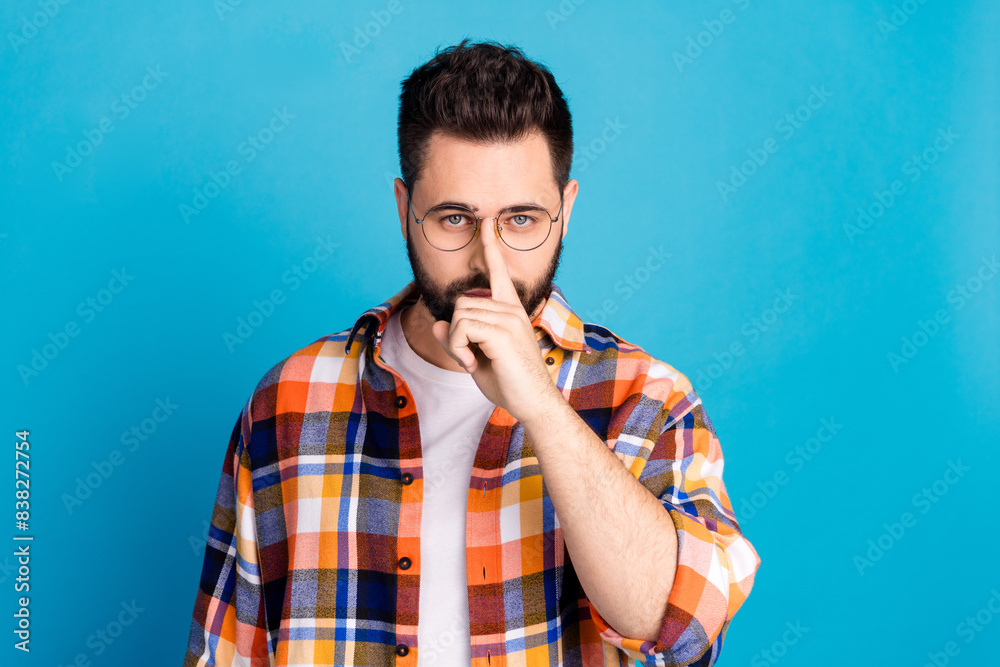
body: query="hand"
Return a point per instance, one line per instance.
(507, 366)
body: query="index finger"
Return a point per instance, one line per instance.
(501, 286)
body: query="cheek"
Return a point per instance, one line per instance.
(526, 271)
(447, 270)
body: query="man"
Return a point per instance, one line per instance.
(470, 474)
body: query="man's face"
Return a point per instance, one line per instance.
(486, 178)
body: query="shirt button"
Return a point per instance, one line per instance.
(550, 360)
(401, 401)
(404, 563)
(402, 649)
(407, 478)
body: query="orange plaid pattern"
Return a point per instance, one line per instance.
(313, 555)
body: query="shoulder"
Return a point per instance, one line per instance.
(641, 376)
(288, 384)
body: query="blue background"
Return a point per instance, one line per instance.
(683, 126)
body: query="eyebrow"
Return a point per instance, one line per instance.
(514, 208)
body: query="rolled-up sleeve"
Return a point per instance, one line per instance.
(228, 625)
(716, 564)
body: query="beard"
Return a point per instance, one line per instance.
(441, 302)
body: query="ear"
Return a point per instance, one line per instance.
(399, 189)
(569, 196)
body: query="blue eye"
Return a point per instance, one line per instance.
(454, 220)
(519, 222)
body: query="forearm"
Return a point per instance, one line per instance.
(621, 539)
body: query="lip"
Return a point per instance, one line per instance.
(478, 292)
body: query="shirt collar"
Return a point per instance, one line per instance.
(557, 318)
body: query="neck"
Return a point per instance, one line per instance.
(416, 321)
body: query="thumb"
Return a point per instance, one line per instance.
(441, 329)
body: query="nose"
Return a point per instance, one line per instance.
(488, 227)
(477, 259)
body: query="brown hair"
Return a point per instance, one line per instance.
(482, 92)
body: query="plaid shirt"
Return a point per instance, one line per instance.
(313, 554)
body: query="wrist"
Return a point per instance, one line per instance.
(546, 410)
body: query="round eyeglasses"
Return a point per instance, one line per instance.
(451, 227)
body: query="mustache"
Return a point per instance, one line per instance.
(478, 282)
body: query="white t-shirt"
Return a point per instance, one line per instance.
(452, 413)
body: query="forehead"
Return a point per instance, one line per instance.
(456, 167)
